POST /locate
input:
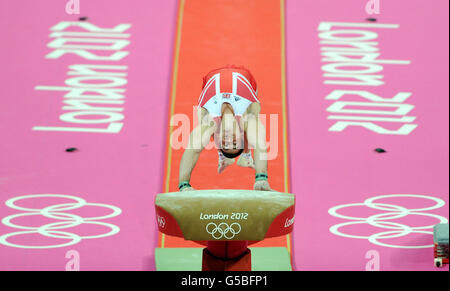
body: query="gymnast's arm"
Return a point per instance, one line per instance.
(256, 135)
(198, 140)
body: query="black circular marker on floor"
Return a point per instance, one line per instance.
(70, 150)
(84, 18)
(380, 150)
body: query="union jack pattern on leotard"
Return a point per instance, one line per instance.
(228, 85)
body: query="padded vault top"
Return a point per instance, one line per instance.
(204, 215)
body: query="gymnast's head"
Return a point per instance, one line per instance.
(231, 136)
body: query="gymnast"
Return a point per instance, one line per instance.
(228, 112)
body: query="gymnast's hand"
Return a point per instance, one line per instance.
(187, 189)
(262, 186)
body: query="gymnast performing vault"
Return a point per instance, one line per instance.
(227, 221)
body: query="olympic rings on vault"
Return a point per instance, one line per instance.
(223, 230)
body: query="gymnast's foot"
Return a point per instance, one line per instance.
(246, 160)
(224, 162)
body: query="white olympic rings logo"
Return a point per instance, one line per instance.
(161, 221)
(223, 230)
(394, 230)
(54, 230)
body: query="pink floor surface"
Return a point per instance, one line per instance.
(337, 168)
(344, 219)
